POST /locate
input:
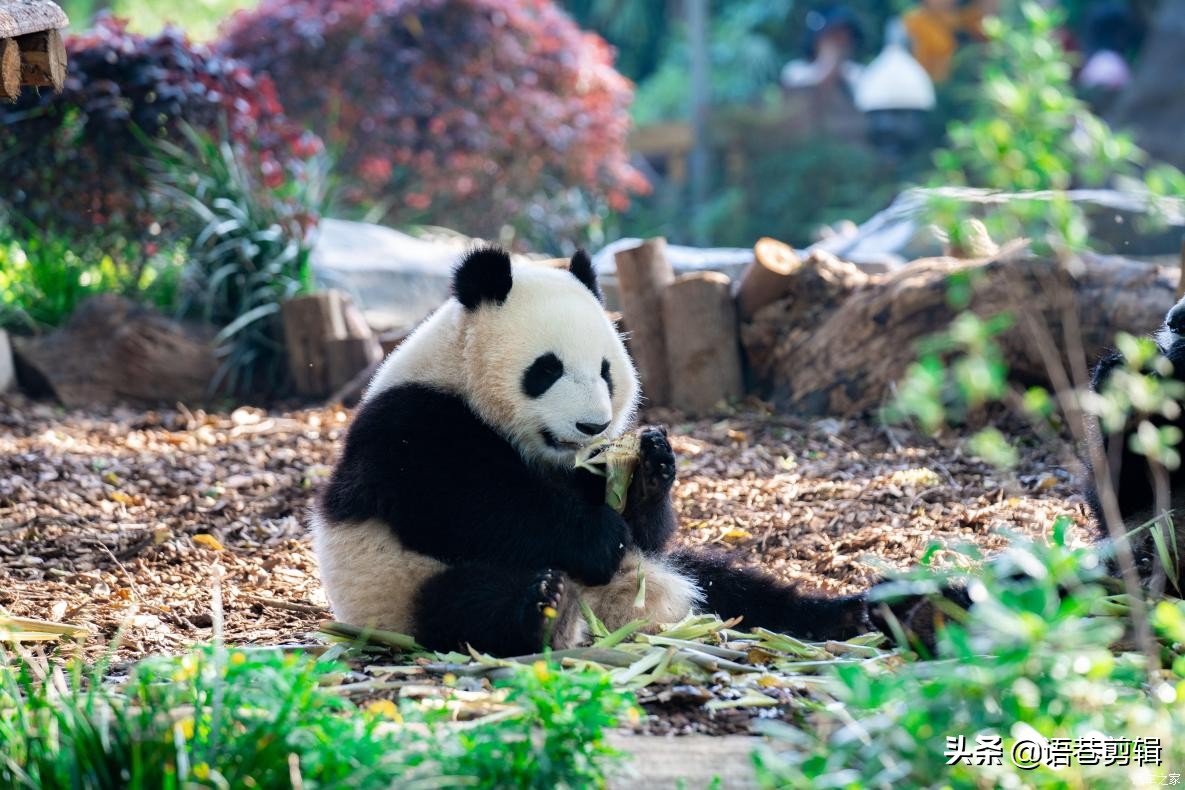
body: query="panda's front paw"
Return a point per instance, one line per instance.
(656, 467)
(548, 591)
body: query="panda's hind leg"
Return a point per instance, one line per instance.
(763, 601)
(498, 611)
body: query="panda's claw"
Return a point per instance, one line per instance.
(556, 616)
(550, 593)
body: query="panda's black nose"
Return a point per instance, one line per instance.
(591, 428)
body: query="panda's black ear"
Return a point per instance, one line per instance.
(581, 266)
(482, 276)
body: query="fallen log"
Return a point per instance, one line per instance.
(809, 292)
(844, 358)
(643, 273)
(114, 350)
(702, 342)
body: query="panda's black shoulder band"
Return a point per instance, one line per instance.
(482, 276)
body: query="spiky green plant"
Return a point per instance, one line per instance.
(250, 240)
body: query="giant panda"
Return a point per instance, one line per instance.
(454, 512)
(1131, 476)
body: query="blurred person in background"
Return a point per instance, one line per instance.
(937, 28)
(1110, 36)
(834, 39)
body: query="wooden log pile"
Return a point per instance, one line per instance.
(32, 52)
(851, 351)
(819, 336)
(682, 331)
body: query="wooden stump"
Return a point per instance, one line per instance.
(768, 278)
(10, 69)
(703, 347)
(113, 350)
(350, 355)
(327, 342)
(845, 357)
(7, 370)
(643, 273)
(43, 59)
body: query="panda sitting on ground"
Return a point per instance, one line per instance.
(1131, 475)
(455, 513)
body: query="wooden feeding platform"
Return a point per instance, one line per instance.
(31, 48)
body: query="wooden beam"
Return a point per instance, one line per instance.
(10, 69)
(43, 59)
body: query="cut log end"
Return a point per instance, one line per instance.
(10, 69)
(769, 277)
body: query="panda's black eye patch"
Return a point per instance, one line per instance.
(605, 375)
(544, 371)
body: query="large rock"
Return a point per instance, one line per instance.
(902, 232)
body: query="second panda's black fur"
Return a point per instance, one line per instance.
(510, 532)
(1131, 475)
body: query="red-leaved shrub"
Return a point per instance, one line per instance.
(474, 114)
(74, 162)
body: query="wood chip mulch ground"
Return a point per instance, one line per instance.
(120, 519)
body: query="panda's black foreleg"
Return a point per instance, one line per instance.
(764, 601)
(648, 509)
(498, 611)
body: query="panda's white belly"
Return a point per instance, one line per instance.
(371, 579)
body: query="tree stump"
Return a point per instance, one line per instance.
(643, 273)
(327, 342)
(703, 346)
(768, 278)
(844, 357)
(350, 355)
(114, 350)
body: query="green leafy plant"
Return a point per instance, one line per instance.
(249, 249)
(1029, 662)
(223, 718)
(1029, 133)
(44, 276)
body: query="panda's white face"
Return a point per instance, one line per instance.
(532, 351)
(546, 366)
